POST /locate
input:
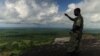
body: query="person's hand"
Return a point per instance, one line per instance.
(66, 14)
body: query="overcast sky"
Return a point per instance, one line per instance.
(47, 13)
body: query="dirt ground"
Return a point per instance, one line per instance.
(87, 49)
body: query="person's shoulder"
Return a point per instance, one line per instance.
(80, 17)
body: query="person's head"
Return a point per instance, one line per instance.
(77, 11)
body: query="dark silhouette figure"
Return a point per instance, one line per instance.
(76, 32)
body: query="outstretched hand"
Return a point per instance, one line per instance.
(69, 17)
(66, 14)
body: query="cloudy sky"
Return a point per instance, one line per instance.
(47, 13)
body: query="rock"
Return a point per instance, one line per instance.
(88, 39)
(61, 40)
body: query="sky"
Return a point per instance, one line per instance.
(48, 13)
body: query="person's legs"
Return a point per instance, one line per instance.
(74, 43)
(76, 52)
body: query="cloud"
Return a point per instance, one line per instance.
(37, 12)
(27, 11)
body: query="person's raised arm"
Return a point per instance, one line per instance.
(69, 17)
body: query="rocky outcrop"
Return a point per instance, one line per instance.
(88, 39)
(61, 40)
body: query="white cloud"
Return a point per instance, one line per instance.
(29, 11)
(71, 7)
(19, 7)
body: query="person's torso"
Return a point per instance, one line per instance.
(78, 22)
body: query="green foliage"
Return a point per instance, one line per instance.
(16, 40)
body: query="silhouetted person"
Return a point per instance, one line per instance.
(76, 32)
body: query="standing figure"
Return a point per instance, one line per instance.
(76, 32)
